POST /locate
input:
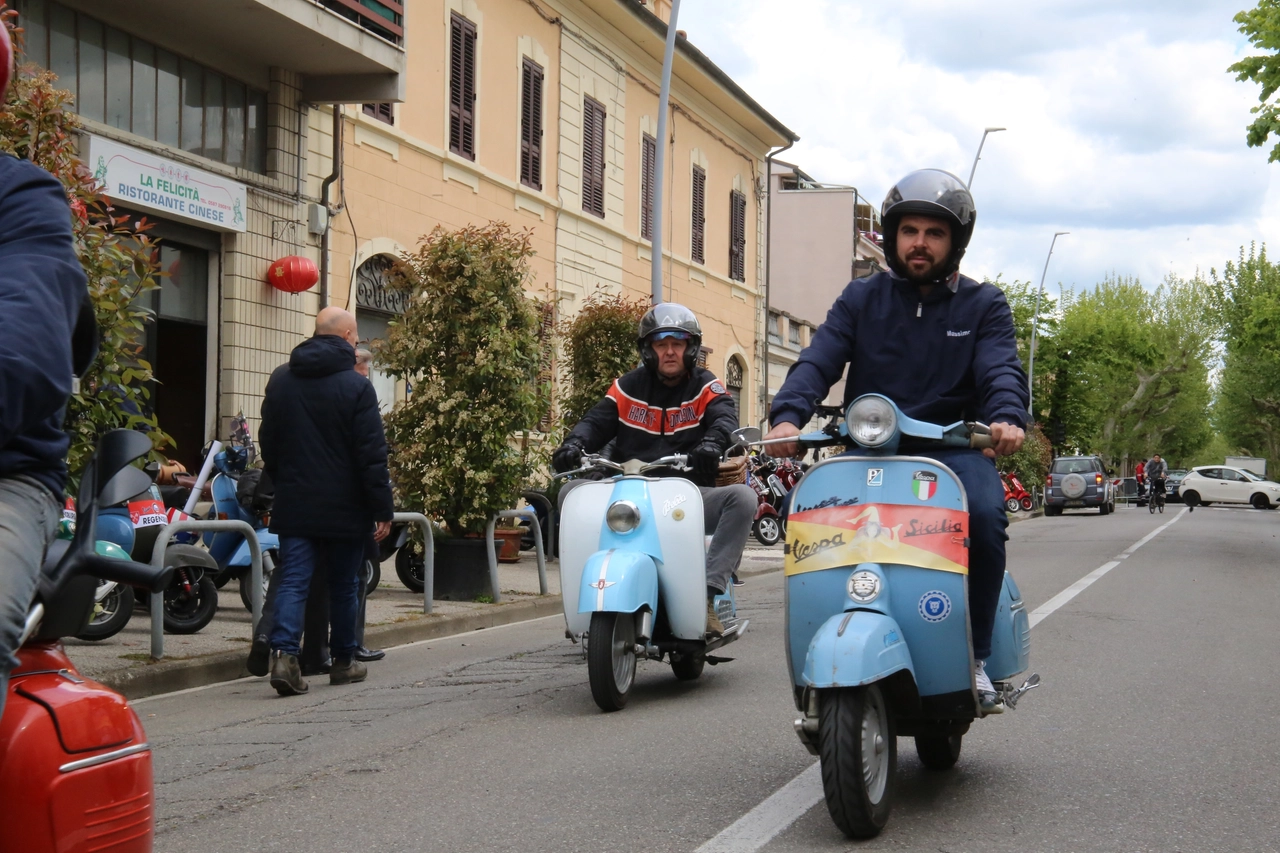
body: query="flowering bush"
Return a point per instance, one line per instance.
(119, 260)
(600, 346)
(468, 346)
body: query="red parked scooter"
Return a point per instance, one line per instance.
(1015, 496)
(75, 765)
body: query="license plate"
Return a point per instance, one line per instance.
(1075, 503)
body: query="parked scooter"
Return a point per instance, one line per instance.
(77, 765)
(1015, 496)
(878, 639)
(768, 526)
(633, 575)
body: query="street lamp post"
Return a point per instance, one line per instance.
(660, 166)
(1035, 321)
(978, 156)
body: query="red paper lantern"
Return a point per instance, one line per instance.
(293, 274)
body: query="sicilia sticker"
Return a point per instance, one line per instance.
(924, 484)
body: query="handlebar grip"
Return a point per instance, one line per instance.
(981, 441)
(139, 575)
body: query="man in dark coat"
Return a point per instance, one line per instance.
(324, 448)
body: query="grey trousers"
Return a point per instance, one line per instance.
(28, 523)
(728, 512)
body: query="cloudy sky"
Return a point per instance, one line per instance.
(1123, 126)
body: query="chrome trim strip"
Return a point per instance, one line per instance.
(104, 758)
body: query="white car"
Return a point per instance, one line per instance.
(1219, 483)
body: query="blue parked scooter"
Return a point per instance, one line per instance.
(878, 638)
(633, 575)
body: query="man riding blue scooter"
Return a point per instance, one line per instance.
(941, 346)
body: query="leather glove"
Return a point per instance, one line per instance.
(706, 458)
(567, 457)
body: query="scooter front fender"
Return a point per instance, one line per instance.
(266, 541)
(618, 581)
(856, 648)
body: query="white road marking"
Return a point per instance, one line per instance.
(789, 803)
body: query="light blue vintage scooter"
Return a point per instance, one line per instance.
(633, 575)
(878, 637)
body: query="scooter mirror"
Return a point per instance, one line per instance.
(746, 435)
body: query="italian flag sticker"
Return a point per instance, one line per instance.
(924, 484)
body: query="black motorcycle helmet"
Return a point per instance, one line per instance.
(674, 318)
(929, 192)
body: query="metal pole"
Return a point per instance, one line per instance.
(1035, 321)
(660, 163)
(978, 156)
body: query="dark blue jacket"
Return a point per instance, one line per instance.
(323, 445)
(42, 286)
(951, 356)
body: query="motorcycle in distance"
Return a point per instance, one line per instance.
(633, 574)
(877, 627)
(772, 479)
(77, 765)
(1016, 497)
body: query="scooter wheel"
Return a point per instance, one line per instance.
(859, 754)
(187, 613)
(687, 667)
(1012, 504)
(246, 584)
(611, 658)
(1027, 504)
(110, 615)
(372, 576)
(767, 530)
(411, 568)
(939, 752)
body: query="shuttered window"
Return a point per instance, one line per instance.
(462, 87)
(382, 112)
(697, 247)
(648, 162)
(531, 124)
(593, 119)
(737, 236)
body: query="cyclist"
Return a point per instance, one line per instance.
(1157, 471)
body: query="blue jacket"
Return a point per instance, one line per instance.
(323, 445)
(42, 286)
(951, 356)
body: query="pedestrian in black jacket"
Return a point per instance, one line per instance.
(324, 448)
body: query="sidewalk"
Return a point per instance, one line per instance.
(393, 616)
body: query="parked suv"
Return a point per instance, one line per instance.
(1078, 481)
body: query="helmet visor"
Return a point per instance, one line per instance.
(679, 336)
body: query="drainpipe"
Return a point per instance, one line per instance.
(768, 265)
(330, 212)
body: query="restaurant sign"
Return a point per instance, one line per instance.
(143, 180)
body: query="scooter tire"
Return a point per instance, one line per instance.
(185, 614)
(1012, 504)
(110, 615)
(858, 750)
(246, 585)
(939, 752)
(767, 530)
(372, 576)
(611, 659)
(687, 667)
(1027, 504)
(411, 568)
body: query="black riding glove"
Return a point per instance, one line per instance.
(567, 457)
(706, 458)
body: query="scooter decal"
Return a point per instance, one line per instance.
(924, 484)
(601, 585)
(935, 606)
(927, 537)
(875, 476)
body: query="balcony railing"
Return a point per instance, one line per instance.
(384, 18)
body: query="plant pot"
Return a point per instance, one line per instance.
(508, 540)
(461, 569)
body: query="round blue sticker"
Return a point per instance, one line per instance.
(934, 606)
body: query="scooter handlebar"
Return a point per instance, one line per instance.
(981, 441)
(141, 575)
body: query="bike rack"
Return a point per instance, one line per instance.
(527, 512)
(428, 553)
(217, 526)
(539, 497)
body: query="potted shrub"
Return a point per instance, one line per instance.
(469, 349)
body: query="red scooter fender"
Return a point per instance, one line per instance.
(763, 509)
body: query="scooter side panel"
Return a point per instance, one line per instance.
(932, 609)
(586, 506)
(1011, 637)
(617, 581)
(855, 648)
(682, 574)
(243, 557)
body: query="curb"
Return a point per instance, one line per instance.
(1025, 516)
(168, 676)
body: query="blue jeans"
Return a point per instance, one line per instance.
(28, 523)
(341, 561)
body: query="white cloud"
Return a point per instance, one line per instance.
(1123, 125)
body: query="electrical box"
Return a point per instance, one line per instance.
(317, 218)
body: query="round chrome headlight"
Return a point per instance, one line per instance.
(622, 516)
(871, 421)
(864, 586)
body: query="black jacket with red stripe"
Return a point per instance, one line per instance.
(650, 419)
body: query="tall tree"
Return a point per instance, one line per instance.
(1262, 26)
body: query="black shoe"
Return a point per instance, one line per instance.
(366, 655)
(737, 581)
(259, 662)
(322, 669)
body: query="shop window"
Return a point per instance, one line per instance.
(733, 380)
(462, 87)
(131, 84)
(593, 123)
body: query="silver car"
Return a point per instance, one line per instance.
(1078, 481)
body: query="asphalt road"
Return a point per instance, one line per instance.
(1157, 729)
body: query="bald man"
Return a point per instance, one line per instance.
(323, 446)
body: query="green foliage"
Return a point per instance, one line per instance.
(600, 346)
(1247, 409)
(1262, 26)
(1031, 463)
(469, 348)
(1021, 296)
(119, 260)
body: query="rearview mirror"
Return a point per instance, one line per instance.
(746, 435)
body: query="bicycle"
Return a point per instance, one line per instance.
(1157, 497)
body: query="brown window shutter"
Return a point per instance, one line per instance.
(698, 243)
(531, 125)
(462, 86)
(648, 162)
(593, 124)
(737, 236)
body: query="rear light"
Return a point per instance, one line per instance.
(1098, 479)
(1048, 481)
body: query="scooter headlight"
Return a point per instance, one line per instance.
(864, 586)
(622, 516)
(871, 421)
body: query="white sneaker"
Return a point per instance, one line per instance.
(986, 690)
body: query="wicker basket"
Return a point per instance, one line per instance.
(732, 472)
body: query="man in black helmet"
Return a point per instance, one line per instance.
(669, 405)
(942, 347)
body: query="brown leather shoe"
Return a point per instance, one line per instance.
(347, 671)
(286, 675)
(714, 627)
